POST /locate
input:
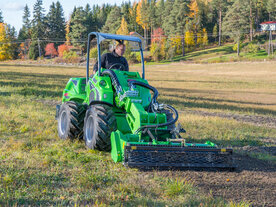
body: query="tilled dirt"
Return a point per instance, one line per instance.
(253, 180)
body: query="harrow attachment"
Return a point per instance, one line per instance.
(164, 157)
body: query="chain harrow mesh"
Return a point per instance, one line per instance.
(178, 158)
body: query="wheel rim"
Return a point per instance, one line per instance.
(63, 122)
(89, 129)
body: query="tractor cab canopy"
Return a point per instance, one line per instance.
(119, 38)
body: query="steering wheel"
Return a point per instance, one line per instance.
(121, 66)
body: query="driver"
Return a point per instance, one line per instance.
(114, 58)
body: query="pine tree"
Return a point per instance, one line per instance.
(153, 15)
(125, 10)
(181, 19)
(132, 17)
(113, 21)
(13, 51)
(271, 9)
(168, 20)
(55, 23)
(78, 33)
(220, 7)
(25, 31)
(236, 21)
(1, 17)
(262, 14)
(90, 21)
(60, 21)
(38, 31)
(160, 8)
(100, 15)
(175, 22)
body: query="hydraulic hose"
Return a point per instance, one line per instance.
(118, 88)
(114, 79)
(164, 124)
(154, 90)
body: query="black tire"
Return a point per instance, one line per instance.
(71, 120)
(99, 122)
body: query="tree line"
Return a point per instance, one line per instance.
(169, 26)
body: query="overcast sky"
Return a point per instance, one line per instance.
(12, 10)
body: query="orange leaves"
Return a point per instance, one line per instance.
(61, 50)
(51, 50)
(193, 6)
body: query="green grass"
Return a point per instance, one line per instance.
(218, 55)
(39, 169)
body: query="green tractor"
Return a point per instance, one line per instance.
(118, 111)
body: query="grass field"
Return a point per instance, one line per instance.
(37, 168)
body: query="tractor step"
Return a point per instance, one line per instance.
(164, 157)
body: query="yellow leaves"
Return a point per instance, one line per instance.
(193, 6)
(140, 19)
(205, 37)
(176, 42)
(189, 38)
(123, 30)
(67, 30)
(138, 14)
(199, 38)
(4, 43)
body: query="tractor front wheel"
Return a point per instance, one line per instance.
(70, 120)
(99, 122)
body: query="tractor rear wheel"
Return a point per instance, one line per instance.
(99, 122)
(70, 120)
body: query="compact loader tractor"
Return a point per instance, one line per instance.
(118, 111)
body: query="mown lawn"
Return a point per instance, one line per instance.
(39, 169)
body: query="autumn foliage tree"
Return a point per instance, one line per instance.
(51, 50)
(157, 35)
(62, 48)
(123, 30)
(5, 45)
(189, 38)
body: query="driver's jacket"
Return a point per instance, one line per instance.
(109, 59)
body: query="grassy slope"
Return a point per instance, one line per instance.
(219, 55)
(39, 169)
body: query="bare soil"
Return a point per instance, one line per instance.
(253, 180)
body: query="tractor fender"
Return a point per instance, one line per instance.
(100, 102)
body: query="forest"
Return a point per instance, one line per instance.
(169, 27)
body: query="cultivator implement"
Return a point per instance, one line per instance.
(155, 156)
(115, 111)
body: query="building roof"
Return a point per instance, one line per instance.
(270, 22)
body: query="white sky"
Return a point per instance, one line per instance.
(12, 10)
